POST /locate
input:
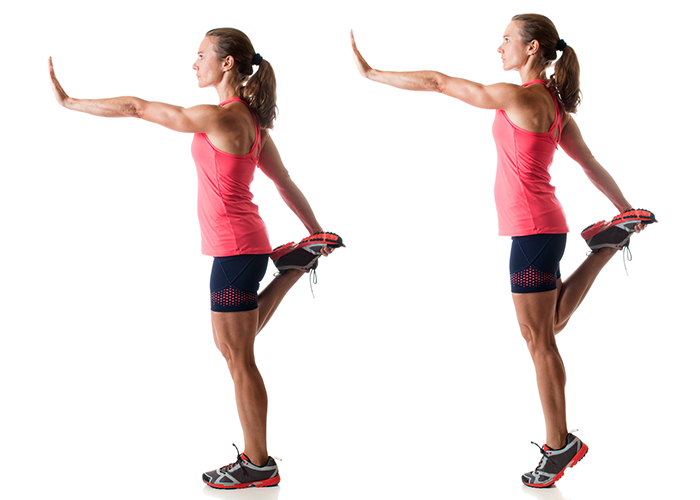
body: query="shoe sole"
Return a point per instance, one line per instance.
(633, 217)
(273, 481)
(331, 240)
(577, 458)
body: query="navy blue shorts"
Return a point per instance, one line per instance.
(235, 282)
(534, 262)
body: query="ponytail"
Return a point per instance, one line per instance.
(565, 79)
(261, 94)
(259, 90)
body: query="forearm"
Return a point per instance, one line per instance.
(428, 81)
(111, 108)
(602, 180)
(298, 203)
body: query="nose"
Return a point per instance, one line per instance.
(500, 49)
(194, 66)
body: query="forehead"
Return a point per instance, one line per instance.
(512, 30)
(206, 44)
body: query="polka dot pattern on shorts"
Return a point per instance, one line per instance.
(232, 297)
(531, 277)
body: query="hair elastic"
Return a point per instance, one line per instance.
(560, 45)
(257, 59)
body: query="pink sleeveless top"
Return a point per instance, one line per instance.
(228, 218)
(525, 199)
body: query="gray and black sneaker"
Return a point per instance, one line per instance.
(555, 462)
(303, 256)
(243, 474)
(294, 258)
(616, 233)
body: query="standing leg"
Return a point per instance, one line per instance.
(572, 291)
(234, 333)
(535, 312)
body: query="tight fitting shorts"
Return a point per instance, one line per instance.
(235, 282)
(534, 262)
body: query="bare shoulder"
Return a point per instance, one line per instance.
(509, 92)
(232, 128)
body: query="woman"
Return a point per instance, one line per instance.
(229, 141)
(531, 120)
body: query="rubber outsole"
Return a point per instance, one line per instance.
(643, 215)
(332, 240)
(577, 458)
(273, 481)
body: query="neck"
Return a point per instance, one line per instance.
(532, 71)
(225, 88)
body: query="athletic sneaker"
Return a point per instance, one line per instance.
(616, 233)
(243, 474)
(555, 462)
(304, 255)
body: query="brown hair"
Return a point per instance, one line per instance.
(566, 70)
(258, 90)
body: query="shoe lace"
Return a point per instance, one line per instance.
(544, 458)
(313, 280)
(230, 466)
(626, 256)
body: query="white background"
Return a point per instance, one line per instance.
(406, 377)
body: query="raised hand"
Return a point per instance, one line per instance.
(362, 65)
(58, 91)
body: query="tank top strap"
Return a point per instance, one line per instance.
(258, 133)
(558, 117)
(536, 80)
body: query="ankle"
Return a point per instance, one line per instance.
(290, 274)
(606, 252)
(556, 444)
(257, 459)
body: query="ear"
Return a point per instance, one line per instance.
(533, 47)
(228, 63)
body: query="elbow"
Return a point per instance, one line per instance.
(134, 111)
(132, 108)
(437, 85)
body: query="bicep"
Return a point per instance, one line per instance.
(188, 120)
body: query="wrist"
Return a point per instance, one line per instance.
(70, 103)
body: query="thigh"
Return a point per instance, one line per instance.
(234, 332)
(536, 310)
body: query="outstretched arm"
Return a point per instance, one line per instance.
(497, 96)
(271, 164)
(191, 120)
(573, 145)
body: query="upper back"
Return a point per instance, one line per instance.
(235, 129)
(537, 110)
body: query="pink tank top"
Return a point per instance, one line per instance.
(228, 218)
(525, 199)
